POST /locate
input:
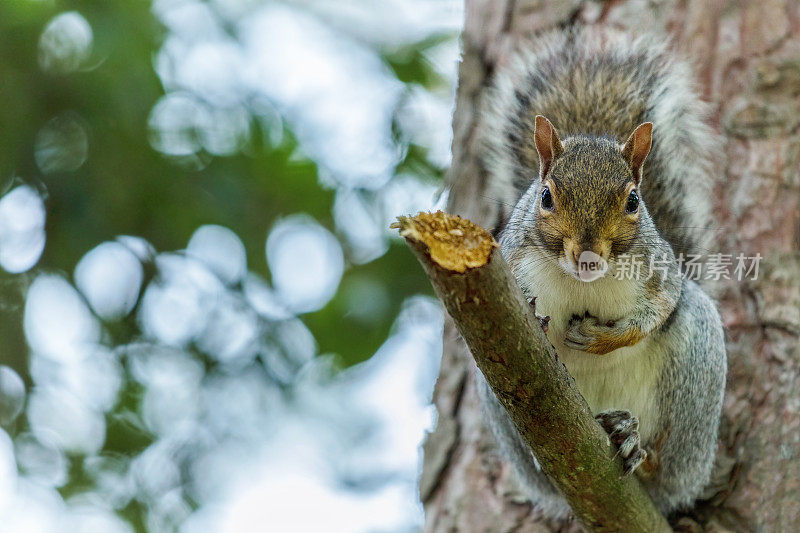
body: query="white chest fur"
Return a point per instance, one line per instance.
(623, 379)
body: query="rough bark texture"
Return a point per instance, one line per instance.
(511, 350)
(747, 64)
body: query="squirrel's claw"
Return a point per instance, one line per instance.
(623, 430)
(633, 462)
(577, 343)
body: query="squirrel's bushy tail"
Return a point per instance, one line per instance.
(605, 84)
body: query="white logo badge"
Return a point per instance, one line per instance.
(591, 266)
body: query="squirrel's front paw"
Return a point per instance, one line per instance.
(623, 430)
(587, 334)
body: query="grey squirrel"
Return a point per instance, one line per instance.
(621, 165)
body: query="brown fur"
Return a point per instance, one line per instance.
(651, 464)
(611, 339)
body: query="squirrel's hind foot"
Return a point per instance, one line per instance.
(623, 430)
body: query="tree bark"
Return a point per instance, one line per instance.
(479, 291)
(746, 58)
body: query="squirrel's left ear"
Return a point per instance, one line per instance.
(637, 147)
(548, 144)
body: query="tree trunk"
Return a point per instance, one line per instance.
(747, 64)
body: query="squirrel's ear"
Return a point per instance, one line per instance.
(637, 147)
(548, 144)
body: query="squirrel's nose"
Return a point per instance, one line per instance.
(573, 250)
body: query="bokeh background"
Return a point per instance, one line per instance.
(205, 322)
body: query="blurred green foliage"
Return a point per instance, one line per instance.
(126, 187)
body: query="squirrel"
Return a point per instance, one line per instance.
(622, 164)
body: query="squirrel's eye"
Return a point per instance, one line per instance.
(632, 205)
(547, 199)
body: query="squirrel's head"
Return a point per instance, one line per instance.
(588, 202)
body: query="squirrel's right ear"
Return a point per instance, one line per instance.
(637, 147)
(548, 144)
